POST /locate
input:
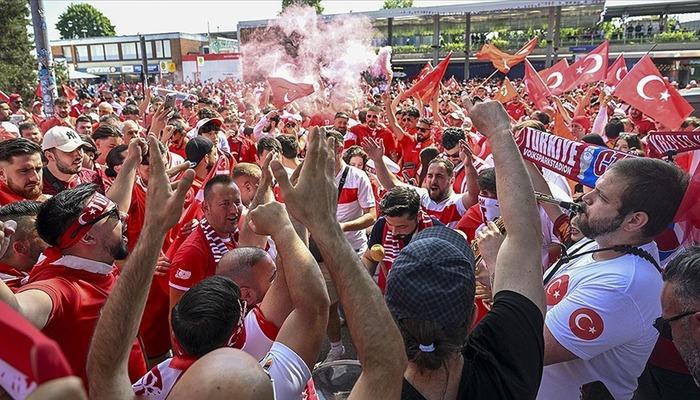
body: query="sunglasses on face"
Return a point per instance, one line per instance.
(422, 129)
(663, 325)
(290, 125)
(372, 116)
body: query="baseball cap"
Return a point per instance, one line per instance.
(15, 97)
(62, 138)
(197, 148)
(202, 122)
(457, 115)
(432, 279)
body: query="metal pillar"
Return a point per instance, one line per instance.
(436, 39)
(144, 63)
(47, 78)
(557, 35)
(467, 42)
(550, 36)
(390, 31)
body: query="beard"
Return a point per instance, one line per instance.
(593, 229)
(68, 168)
(120, 251)
(690, 354)
(27, 191)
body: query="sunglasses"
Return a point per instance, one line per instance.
(422, 129)
(663, 325)
(290, 125)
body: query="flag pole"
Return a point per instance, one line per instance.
(490, 76)
(650, 50)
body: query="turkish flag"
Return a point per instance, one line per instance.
(554, 76)
(4, 97)
(591, 68)
(503, 61)
(645, 89)
(452, 84)
(285, 92)
(560, 128)
(69, 93)
(430, 84)
(506, 92)
(424, 71)
(616, 72)
(535, 86)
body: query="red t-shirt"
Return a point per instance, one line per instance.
(77, 297)
(515, 110)
(173, 148)
(410, 154)
(358, 132)
(55, 121)
(11, 276)
(7, 196)
(28, 357)
(76, 110)
(242, 149)
(193, 261)
(322, 119)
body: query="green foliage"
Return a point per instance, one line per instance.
(60, 70)
(17, 65)
(397, 4)
(83, 20)
(312, 3)
(500, 43)
(677, 36)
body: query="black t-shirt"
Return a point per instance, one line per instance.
(504, 356)
(377, 234)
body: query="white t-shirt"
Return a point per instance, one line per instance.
(602, 311)
(448, 211)
(354, 197)
(288, 371)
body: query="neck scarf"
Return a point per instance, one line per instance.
(216, 243)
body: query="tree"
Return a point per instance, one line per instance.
(17, 65)
(83, 20)
(397, 4)
(312, 3)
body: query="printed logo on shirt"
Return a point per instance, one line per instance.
(150, 385)
(266, 362)
(182, 274)
(556, 290)
(586, 324)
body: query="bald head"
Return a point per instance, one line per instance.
(221, 373)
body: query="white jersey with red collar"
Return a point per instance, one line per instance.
(602, 312)
(448, 211)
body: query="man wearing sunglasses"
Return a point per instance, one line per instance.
(373, 129)
(673, 370)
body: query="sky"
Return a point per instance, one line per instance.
(198, 16)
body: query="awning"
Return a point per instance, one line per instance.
(80, 75)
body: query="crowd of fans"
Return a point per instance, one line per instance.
(195, 241)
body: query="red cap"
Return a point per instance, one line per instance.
(14, 97)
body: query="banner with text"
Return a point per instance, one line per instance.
(581, 162)
(661, 143)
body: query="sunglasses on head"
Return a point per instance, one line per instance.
(663, 325)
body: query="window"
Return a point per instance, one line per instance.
(112, 51)
(82, 53)
(166, 48)
(97, 52)
(159, 48)
(68, 53)
(149, 49)
(129, 51)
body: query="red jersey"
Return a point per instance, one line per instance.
(28, 357)
(78, 289)
(471, 220)
(242, 149)
(76, 110)
(515, 109)
(357, 133)
(410, 154)
(53, 185)
(193, 261)
(322, 119)
(7, 196)
(179, 150)
(55, 121)
(11, 276)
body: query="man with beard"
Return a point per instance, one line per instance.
(25, 244)
(371, 128)
(196, 259)
(437, 197)
(20, 171)
(411, 146)
(63, 149)
(401, 219)
(603, 296)
(340, 122)
(61, 109)
(642, 123)
(66, 291)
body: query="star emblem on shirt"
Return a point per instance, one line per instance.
(92, 211)
(556, 294)
(579, 70)
(592, 330)
(664, 95)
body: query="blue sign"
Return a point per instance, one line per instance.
(152, 68)
(582, 49)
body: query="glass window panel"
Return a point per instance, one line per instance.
(166, 48)
(112, 51)
(149, 49)
(159, 48)
(97, 52)
(68, 53)
(129, 51)
(82, 53)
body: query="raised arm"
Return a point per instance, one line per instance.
(313, 201)
(471, 195)
(121, 189)
(304, 329)
(391, 115)
(263, 195)
(375, 151)
(518, 264)
(118, 325)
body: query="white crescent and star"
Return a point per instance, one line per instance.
(286, 98)
(619, 72)
(642, 84)
(579, 317)
(558, 79)
(598, 63)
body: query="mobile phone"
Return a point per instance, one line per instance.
(170, 101)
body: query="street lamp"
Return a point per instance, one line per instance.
(84, 30)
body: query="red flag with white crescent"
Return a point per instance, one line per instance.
(285, 92)
(591, 68)
(554, 76)
(535, 86)
(645, 89)
(616, 72)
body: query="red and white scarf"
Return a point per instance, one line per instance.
(392, 245)
(217, 245)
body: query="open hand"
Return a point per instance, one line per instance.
(374, 148)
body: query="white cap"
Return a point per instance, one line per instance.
(201, 122)
(10, 127)
(62, 138)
